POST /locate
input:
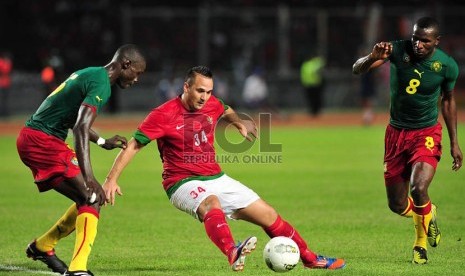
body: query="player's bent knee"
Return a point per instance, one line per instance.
(211, 202)
(396, 208)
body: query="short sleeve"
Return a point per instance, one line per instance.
(452, 74)
(225, 106)
(152, 127)
(97, 89)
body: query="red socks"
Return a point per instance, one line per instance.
(218, 230)
(282, 228)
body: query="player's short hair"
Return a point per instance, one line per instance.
(201, 70)
(130, 52)
(428, 23)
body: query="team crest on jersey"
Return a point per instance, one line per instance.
(209, 120)
(436, 66)
(406, 58)
(74, 161)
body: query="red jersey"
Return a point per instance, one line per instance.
(185, 139)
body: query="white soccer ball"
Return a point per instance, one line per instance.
(281, 254)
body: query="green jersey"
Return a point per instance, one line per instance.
(417, 84)
(58, 112)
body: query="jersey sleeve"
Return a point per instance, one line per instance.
(452, 74)
(151, 128)
(97, 90)
(225, 106)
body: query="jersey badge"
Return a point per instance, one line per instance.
(98, 98)
(436, 66)
(74, 161)
(210, 120)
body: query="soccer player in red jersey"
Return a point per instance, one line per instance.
(421, 74)
(55, 165)
(184, 128)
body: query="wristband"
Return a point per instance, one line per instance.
(101, 141)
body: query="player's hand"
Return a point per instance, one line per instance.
(115, 142)
(95, 193)
(111, 188)
(457, 157)
(248, 129)
(381, 50)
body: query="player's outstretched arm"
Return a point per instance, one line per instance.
(247, 128)
(381, 51)
(110, 143)
(115, 142)
(123, 158)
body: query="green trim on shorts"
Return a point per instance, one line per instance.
(171, 190)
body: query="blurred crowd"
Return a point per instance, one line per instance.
(60, 36)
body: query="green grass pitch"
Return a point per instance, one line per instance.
(329, 185)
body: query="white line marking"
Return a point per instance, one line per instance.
(18, 268)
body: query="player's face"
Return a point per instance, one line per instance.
(130, 74)
(424, 41)
(198, 92)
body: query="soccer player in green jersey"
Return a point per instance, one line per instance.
(55, 165)
(421, 74)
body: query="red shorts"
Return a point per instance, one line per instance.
(405, 147)
(50, 159)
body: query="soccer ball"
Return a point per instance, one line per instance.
(281, 254)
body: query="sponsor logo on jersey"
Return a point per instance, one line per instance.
(98, 98)
(436, 66)
(418, 72)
